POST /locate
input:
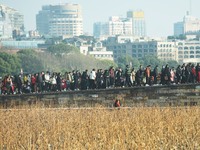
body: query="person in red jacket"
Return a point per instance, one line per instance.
(117, 103)
(33, 83)
(197, 68)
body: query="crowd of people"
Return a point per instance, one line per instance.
(100, 79)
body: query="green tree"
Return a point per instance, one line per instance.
(61, 49)
(172, 63)
(150, 60)
(30, 62)
(127, 60)
(108, 63)
(9, 64)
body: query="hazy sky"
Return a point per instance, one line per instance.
(160, 14)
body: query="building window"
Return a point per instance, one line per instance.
(140, 51)
(197, 56)
(180, 43)
(180, 53)
(134, 46)
(191, 52)
(151, 46)
(185, 48)
(180, 48)
(191, 56)
(124, 46)
(134, 51)
(180, 56)
(191, 48)
(134, 55)
(98, 44)
(186, 52)
(151, 50)
(139, 46)
(197, 48)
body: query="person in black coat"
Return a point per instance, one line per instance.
(18, 83)
(155, 74)
(84, 80)
(167, 75)
(178, 74)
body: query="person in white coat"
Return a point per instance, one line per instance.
(92, 79)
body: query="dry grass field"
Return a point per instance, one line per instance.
(96, 129)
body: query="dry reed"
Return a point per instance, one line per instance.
(95, 129)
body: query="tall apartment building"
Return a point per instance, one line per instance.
(100, 29)
(115, 26)
(119, 26)
(10, 20)
(138, 23)
(59, 20)
(189, 25)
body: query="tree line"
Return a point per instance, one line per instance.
(62, 58)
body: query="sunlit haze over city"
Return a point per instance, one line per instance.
(160, 15)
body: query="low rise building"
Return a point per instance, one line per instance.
(164, 50)
(22, 44)
(100, 52)
(188, 51)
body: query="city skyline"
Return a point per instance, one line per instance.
(160, 16)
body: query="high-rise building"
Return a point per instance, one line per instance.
(119, 26)
(178, 28)
(59, 20)
(10, 20)
(100, 29)
(189, 25)
(115, 26)
(138, 22)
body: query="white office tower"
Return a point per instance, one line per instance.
(189, 25)
(138, 23)
(60, 20)
(119, 26)
(10, 20)
(115, 26)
